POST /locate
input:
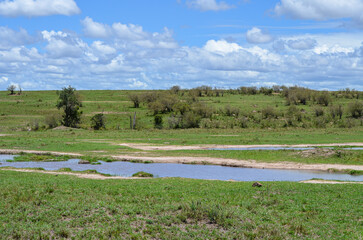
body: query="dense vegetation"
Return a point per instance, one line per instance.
(202, 107)
(40, 206)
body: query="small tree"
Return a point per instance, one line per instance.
(136, 99)
(11, 89)
(98, 121)
(356, 109)
(158, 121)
(70, 102)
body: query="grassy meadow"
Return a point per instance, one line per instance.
(41, 206)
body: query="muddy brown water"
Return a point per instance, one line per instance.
(184, 170)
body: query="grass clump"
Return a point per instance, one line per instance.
(26, 157)
(143, 174)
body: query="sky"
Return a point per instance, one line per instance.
(156, 44)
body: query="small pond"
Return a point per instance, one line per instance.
(185, 170)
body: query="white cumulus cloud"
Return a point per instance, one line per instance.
(221, 47)
(36, 8)
(256, 35)
(209, 5)
(321, 10)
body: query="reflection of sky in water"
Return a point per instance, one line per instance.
(185, 170)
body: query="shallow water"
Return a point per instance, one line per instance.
(185, 171)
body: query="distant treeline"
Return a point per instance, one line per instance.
(185, 108)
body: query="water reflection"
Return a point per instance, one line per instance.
(186, 171)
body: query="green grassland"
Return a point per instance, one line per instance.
(41, 206)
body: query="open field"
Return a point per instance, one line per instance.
(49, 206)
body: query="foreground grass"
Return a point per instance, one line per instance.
(46, 206)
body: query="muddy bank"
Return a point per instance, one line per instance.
(18, 151)
(238, 163)
(79, 175)
(329, 182)
(150, 147)
(205, 160)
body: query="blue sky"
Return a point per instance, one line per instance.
(143, 44)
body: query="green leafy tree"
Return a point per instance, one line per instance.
(70, 102)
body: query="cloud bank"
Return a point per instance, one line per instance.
(37, 8)
(126, 56)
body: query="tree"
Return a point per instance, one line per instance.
(98, 121)
(136, 99)
(70, 102)
(11, 89)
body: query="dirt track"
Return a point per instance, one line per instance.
(329, 182)
(150, 147)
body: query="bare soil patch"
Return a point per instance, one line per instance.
(149, 147)
(79, 175)
(238, 163)
(329, 182)
(18, 151)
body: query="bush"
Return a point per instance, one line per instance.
(231, 111)
(98, 121)
(52, 120)
(143, 174)
(136, 99)
(268, 112)
(174, 122)
(190, 120)
(356, 109)
(243, 122)
(158, 121)
(319, 111)
(323, 99)
(336, 111)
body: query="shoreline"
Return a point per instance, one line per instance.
(206, 160)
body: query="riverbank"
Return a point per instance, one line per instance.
(206, 160)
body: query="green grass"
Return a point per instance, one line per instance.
(44, 206)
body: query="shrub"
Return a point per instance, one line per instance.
(231, 111)
(319, 111)
(336, 111)
(243, 122)
(174, 122)
(136, 99)
(175, 89)
(98, 121)
(143, 174)
(356, 109)
(268, 112)
(190, 120)
(203, 110)
(52, 120)
(158, 121)
(323, 99)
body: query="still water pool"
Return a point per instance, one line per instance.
(184, 170)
